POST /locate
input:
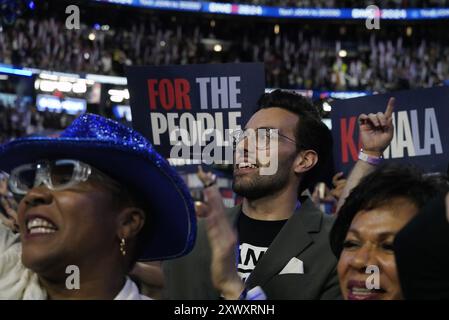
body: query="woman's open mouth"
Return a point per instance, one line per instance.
(39, 226)
(359, 291)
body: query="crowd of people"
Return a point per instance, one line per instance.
(310, 56)
(277, 244)
(19, 122)
(385, 236)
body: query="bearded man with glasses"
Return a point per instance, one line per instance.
(280, 239)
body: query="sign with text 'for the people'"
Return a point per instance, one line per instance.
(189, 112)
(421, 128)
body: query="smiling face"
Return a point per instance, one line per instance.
(248, 182)
(71, 226)
(369, 241)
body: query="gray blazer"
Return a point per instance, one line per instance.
(304, 236)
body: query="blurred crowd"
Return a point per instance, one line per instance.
(19, 122)
(310, 56)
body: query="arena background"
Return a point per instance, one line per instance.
(321, 48)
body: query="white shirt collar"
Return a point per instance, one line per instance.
(130, 292)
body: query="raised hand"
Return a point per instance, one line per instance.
(376, 130)
(339, 183)
(222, 240)
(9, 206)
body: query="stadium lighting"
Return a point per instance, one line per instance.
(12, 70)
(64, 86)
(342, 53)
(117, 95)
(91, 36)
(277, 29)
(70, 105)
(218, 47)
(107, 79)
(47, 86)
(47, 76)
(117, 99)
(79, 87)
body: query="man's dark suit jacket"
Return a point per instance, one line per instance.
(304, 236)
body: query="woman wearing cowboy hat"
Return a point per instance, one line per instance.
(95, 200)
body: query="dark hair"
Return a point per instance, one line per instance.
(311, 132)
(381, 186)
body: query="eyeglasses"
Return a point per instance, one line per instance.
(261, 137)
(56, 175)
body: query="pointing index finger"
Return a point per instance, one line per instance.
(390, 108)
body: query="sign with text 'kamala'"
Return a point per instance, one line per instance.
(421, 128)
(189, 112)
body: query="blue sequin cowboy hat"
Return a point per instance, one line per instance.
(126, 156)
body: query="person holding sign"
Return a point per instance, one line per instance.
(89, 211)
(276, 242)
(377, 202)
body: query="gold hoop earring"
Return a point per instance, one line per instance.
(122, 247)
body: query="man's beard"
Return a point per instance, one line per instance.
(259, 186)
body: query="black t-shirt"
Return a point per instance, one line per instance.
(255, 236)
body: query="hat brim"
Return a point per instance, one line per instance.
(172, 217)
